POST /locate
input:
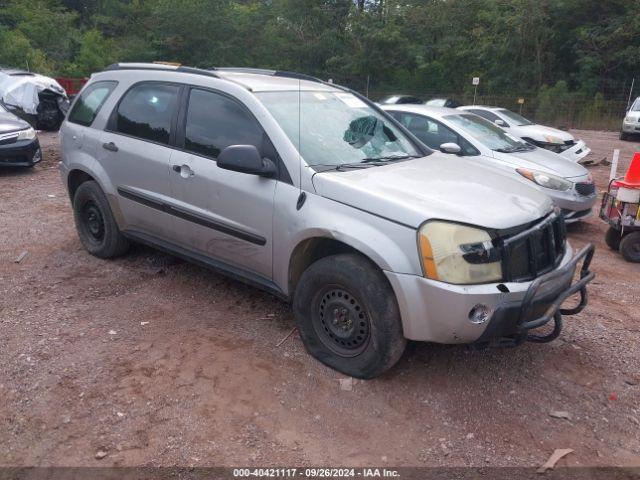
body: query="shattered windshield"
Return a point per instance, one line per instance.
(487, 133)
(336, 128)
(516, 118)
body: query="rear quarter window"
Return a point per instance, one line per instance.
(88, 104)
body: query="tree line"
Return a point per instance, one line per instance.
(590, 46)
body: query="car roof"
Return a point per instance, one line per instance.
(254, 79)
(422, 109)
(480, 107)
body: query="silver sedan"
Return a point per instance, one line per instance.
(462, 133)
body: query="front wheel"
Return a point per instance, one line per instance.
(348, 316)
(630, 247)
(623, 136)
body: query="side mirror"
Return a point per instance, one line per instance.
(450, 148)
(500, 122)
(245, 159)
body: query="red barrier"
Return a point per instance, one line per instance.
(71, 85)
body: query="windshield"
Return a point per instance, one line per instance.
(636, 106)
(519, 120)
(336, 128)
(486, 133)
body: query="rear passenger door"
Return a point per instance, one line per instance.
(135, 154)
(222, 214)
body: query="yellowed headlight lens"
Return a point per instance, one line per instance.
(443, 256)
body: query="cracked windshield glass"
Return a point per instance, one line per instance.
(336, 128)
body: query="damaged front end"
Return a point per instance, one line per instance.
(37, 99)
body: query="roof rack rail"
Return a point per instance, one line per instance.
(161, 67)
(272, 73)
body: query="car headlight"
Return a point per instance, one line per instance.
(458, 254)
(629, 119)
(552, 139)
(546, 180)
(28, 134)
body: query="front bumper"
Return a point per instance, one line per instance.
(631, 127)
(439, 312)
(573, 205)
(576, 152)
(24, 153)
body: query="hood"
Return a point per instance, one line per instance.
(543, 160)
(540, 132)
(10, 123)
(436, 187)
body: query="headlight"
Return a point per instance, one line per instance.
(629, 119)
(546, 180)
(28, 134)
(552, 139)
(458, 254)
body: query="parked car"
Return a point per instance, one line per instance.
(19, 146)
(308, 190)
(39, 100)
(631, 122)
(443, 102)
(557, 141)
(400, 100)
(462, 133)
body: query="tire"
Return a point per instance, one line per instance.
(612, 238)
(364, 337)
(630, 247)
(95, 223)
(623, 136)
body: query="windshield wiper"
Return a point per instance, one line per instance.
(388, 158)
(522, 148)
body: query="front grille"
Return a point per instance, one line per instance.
(585, 188)
(535, 250)
(8, 139)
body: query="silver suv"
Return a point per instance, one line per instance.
(310, 191)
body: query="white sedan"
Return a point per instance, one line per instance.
(557, 141)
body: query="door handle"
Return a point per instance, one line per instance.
(110, 146)
(184, 170)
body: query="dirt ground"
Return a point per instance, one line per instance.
(155, 361)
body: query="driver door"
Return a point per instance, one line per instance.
(220, 213)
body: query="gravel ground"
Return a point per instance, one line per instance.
(153, 361)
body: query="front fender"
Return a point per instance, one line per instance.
(391, 246)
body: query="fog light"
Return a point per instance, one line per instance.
(38, 156)
(479, 314)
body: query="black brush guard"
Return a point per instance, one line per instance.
(553, 310)
(513, 321)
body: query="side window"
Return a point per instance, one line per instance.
(434, 134)
(492, 117)
(146, 111)
(88, 104)
(214, 122)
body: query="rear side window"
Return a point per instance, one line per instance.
(146, 111)
(214, 122)
(88, 104)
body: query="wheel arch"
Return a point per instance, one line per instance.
(312, 249)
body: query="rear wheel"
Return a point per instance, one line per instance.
(95, 223)
(630, 247)
(348, 316)
(612, 238)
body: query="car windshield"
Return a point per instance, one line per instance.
(636, 106)
(487, 133)
(516, 118)
(336, 128)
